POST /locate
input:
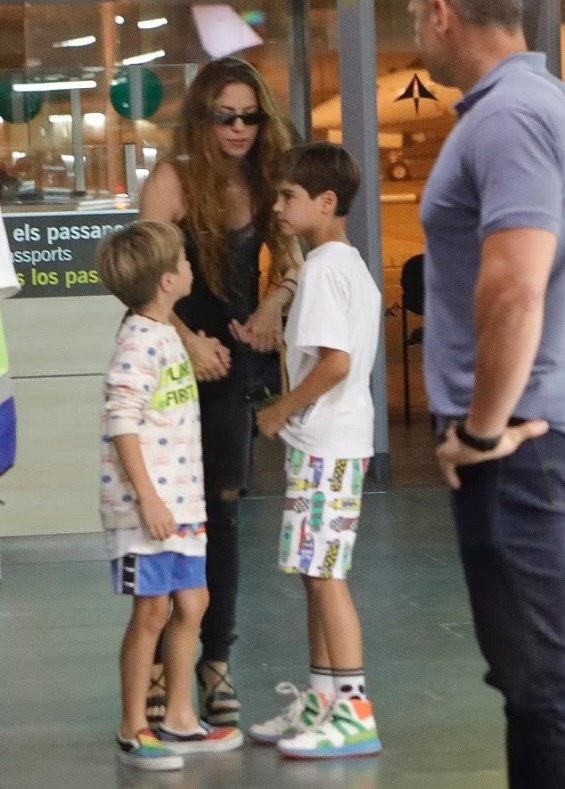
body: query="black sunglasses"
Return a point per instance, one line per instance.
(247, 118)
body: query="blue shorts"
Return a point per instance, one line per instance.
(157, 574)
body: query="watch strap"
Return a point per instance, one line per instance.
(475, 442)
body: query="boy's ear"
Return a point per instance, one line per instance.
(166, 281)
(328, 201)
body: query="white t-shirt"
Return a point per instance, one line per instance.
(337, 305)
(150, 391)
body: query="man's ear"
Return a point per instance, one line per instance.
(440, 14)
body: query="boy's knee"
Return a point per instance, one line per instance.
(190, 606)
(313, 585)
(152, 613)
(321, 586)
(158, 619)
(199, 601)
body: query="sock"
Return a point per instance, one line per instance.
(350, 684)
(322, 681)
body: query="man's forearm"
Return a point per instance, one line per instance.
(509, 310)
(507, 343)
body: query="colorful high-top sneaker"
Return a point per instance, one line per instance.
(307, 710)
(349, 730)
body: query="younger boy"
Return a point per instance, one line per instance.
(152, 496)
(326, 421)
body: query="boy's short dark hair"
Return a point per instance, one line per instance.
(132, 261)
(320, 167)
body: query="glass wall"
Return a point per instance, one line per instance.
(89, 94)
(103, 76)
(415, 116)
(133, 59)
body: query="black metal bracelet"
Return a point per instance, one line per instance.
(480, 444)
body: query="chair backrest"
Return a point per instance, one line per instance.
(412, 283)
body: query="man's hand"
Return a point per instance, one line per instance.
(210, 359)
(272, 419)
(452, 452)
(157, 517)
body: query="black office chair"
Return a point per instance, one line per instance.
(412, 283)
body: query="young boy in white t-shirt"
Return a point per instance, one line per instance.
(152, 494)
(326, 420)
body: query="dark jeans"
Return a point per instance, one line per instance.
(226, 447)
(226, 442)
(510, 517)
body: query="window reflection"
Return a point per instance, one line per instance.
(140, 55)
(153, 47)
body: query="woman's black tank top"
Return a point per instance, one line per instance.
(202, 310)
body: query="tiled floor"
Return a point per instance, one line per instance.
(60, 629)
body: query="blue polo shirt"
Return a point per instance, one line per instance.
(502, 167)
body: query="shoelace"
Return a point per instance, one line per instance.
(331, 715)
(292, 712)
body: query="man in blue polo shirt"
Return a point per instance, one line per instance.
(494, 217)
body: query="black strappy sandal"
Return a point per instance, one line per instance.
(217, 707)
(156, 703)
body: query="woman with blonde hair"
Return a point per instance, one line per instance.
(218, 185)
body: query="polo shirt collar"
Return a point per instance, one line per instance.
(527, 61)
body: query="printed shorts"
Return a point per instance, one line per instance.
(321, 514)
(157, 574)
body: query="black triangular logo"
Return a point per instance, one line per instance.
(416, 91)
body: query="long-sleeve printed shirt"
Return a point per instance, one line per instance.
(151, 392)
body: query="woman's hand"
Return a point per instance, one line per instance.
(210, 359)
(263, 329)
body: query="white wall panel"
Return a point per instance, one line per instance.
(61, 347)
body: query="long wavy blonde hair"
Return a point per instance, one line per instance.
(200, 166)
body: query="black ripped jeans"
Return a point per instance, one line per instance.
(226, 446)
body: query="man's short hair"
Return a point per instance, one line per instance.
(506, 13)
(320, 167)
(132, 261)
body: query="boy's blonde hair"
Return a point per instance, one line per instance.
(132, 261)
